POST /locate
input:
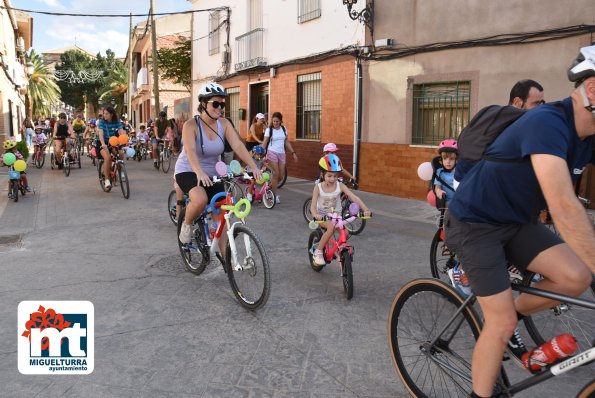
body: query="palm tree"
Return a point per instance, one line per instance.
(43, 89)
(116, 84)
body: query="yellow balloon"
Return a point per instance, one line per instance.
(20, 165)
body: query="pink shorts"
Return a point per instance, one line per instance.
(276, 157)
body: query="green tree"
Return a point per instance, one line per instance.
(115, 86)
(175, 63)
(43, 88)
(72, 63)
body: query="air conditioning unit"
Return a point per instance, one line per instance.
(384, 43)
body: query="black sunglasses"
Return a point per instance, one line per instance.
(217, 104)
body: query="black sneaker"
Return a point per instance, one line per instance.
(516, 348)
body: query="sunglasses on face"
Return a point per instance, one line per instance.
(217, 104)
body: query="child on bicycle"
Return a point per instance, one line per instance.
(444, 181)
(90, 134)
(143, 136)
(10, 147)
(258, 153)
(39, 140)
(326, 198)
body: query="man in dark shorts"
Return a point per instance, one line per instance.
(493, 218)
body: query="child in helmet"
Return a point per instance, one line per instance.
(331, 148)
(326, 198)
(258, 153)
(10, 147)
(39, 139)
(90, 134)
(444, 182)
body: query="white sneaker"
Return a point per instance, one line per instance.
(186, 233)
(278, 200)
(318, 257)
(249, 197)
(107, 184)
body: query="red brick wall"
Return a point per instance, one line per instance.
(392, 169)
(309, 153)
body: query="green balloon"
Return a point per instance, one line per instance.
(9, 158)
(235, 166)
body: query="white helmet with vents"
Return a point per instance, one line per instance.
(211, 90)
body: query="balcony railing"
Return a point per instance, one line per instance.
(249, 49)
(142, 80)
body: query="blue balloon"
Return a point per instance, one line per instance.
(130, 152)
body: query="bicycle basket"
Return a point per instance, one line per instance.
(14, 175)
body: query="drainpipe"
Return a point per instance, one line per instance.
(357, 116)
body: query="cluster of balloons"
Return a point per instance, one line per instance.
(266, 176)
(10, 159)
(119, 140)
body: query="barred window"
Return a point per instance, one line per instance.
(309, 106)
(440, 110)
(308, 9)
(214, 32)
(233, 106)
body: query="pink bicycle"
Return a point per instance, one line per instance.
(261, 190)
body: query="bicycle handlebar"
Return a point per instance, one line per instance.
(241, 214)
(339, 220)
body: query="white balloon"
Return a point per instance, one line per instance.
(424, 171)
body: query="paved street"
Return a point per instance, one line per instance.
(162, 332)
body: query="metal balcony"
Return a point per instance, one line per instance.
(249, 49)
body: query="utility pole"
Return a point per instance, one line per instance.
(155, 71)
(130, 78)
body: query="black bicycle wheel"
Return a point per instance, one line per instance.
(171, 206)
(282, 182)
(52, 161)
(313, 240)
(306, 210)
(356, 226)
(235, 189)
(269, 198)
(78, 159)
(420, 310)
(123, 179)
(441, 259)
(347, 273)
(39, 159)
(15, 190)
(588, 391)
(252, 283)
(563, 318)
(195, 254)
(66, 164)
(165, 160)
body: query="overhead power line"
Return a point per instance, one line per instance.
(64, 14)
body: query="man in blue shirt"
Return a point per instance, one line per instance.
(494, 213)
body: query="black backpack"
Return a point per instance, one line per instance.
(484, 128)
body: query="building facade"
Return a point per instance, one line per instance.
(141, 99)
(296, 58)
(446, 61)
(16, 35)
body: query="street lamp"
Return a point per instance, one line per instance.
(365, 16)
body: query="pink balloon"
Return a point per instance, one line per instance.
(424, 171)
(221, 168)
(431, 198)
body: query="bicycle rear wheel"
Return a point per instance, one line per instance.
(357, 225)
(347, 274)
(441, 259)
(14, 186)
(306, 210)
(195, 254)
(419, 311)
(123, 177)
(66, 164)
(563, 318)
(252, 284)
(235, 189)
(165, 160)
(313, 240)
(588, 391)
(171, 206)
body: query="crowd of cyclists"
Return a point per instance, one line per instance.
(487, 224)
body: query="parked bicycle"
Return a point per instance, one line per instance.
(336, 248)
(246, 261)
(432, 331)
(355, 227)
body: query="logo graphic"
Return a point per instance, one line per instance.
(56, 337)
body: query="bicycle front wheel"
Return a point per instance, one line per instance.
(441, 258)
(269, 198)
(347, 274)
(588, 391)
(194, 254)
(306, 210)
(233, 188)
(165, 160)
(172, 201)
(14, 186)
(66, 165)
(563, 318)
(419, 311)
(252, 283)
(123, 177)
